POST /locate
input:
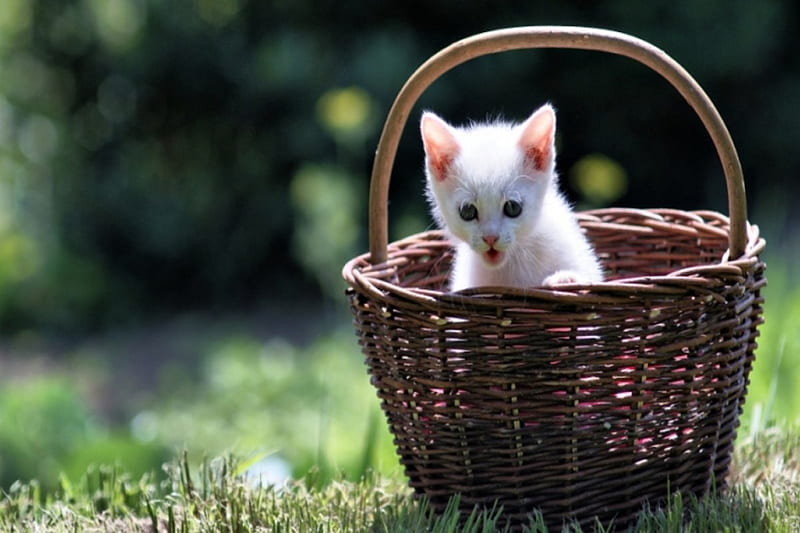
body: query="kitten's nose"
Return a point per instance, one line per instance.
(490, 239)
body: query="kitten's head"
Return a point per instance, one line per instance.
(486, 183)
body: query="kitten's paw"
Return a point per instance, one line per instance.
(562, 277)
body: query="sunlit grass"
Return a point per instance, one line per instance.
(222, 495)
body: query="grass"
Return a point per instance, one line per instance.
(221, 495)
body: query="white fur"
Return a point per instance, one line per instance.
(544, 246)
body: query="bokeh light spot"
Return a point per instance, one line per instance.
(345, 110)
(19, 258)
(599, 179)
(15, 18)
(119, 22)
(217, 12)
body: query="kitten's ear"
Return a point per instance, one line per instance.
(441, 146)
(537, 139)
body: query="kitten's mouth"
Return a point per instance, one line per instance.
(493, 257)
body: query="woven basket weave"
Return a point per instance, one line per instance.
(582, 401)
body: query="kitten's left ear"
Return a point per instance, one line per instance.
(537, 139)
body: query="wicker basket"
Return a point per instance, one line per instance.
(586, 401)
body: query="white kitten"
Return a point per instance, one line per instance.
(493, 188)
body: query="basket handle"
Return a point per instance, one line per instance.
(551, 37)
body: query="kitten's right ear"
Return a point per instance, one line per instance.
(538, 138)
(441, 146)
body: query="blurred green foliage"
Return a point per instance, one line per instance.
(46, 429)
(297, 411)
(165, 155)
(773, 395)
(326, 231)
(312, 409)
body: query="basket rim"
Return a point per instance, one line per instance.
(360, 273)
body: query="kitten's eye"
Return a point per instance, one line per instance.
(512, 209)
(468, 212)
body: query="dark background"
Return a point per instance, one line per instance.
(164, 156)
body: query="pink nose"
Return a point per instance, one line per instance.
(490, 239)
